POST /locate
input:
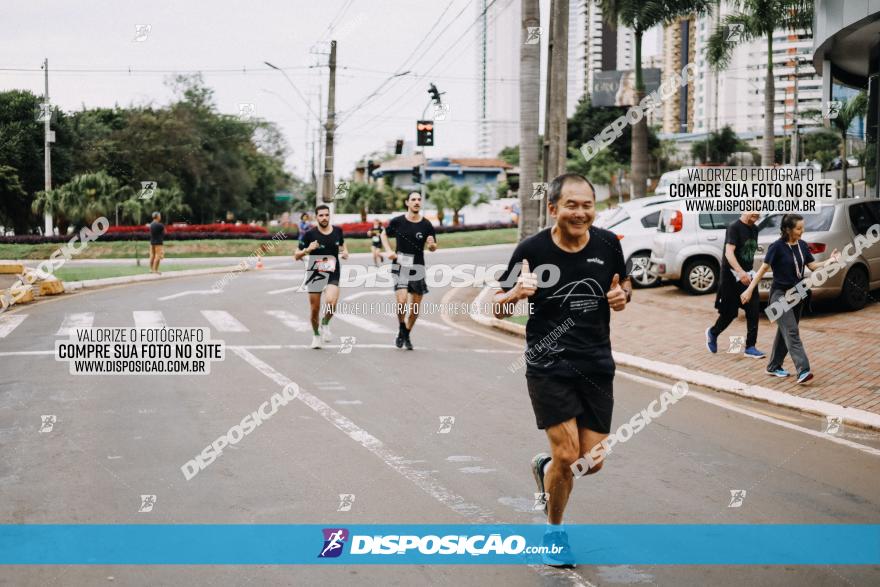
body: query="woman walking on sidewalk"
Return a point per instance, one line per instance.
(788, 257)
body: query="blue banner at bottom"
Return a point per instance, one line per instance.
(253, 544)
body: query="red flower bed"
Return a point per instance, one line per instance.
(356, 226)
(233, 228)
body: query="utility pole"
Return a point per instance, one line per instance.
(555, 120)
(319, 187)
(48, 224)
(530, 98)
(329, 190)
(795, 139)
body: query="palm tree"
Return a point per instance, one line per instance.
(850, 110)
(752, 20)
(439, 189)
(641, 15)
(459, 197)
(529, 96)
(363, 198)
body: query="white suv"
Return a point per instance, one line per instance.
(688, 247)
(635, 224)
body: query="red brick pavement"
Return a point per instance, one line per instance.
(666, 324)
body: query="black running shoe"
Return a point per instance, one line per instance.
(407, 343)
(398, 342)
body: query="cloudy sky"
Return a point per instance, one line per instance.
(95, 60)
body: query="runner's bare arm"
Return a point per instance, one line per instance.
(835, 257)
(297, 255)
(432, 244)
(747, 295)
(526, 286)
(386, 244)
(344, 254)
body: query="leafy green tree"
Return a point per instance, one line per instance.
(15, 210)
(722, 144)
(751, 20)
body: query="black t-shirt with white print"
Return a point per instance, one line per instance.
(328, 247)
(411, 238)
(575, 309)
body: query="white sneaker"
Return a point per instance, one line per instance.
(326, 335)
(316, 341)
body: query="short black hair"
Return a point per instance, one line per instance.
(322, 207)
(554, 190)
(411, 194)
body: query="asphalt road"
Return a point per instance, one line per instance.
(366, 423)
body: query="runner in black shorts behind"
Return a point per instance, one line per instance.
(570, 371)
(413, 233)
(322, 243)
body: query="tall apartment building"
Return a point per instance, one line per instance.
(497, 53)
(734, 96)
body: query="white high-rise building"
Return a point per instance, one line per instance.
(738, 98)
(498, 38)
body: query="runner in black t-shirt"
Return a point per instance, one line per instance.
(322, 244)
(375, 234)
(570, 371)
(413, 233)
(740, 245)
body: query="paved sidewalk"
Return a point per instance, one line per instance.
(665, 324)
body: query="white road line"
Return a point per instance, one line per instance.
(360, 322)
(746, 412)
(372, 444)
(223, 321)
(368, 293)
(75, 320)
(149, 319)
(203, 292)
(348, 402)
(290, 320)
(10, 322)
(420, 479)
(286, 289)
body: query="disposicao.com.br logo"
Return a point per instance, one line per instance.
(411, 544)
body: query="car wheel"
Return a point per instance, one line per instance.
(854, 294)
(637, 268)
(699, 277)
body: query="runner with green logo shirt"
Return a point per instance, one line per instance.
(740, 245)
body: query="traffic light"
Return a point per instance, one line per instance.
(435, 94)
(425, 133)
(371, 167)
(417, 174)
(398, 147)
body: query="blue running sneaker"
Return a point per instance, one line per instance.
(805, 376)
(711, 341)
(753, 353)
(778, 372)
(562, 558)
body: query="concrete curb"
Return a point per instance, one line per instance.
(86, 283)
(855, 416)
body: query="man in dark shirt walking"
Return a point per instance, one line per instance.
(740, 245)
(569, 367)
(413, 233)
(157, 240)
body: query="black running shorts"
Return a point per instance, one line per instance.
(589, 399)
(408, 280)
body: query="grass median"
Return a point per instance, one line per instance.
(81, 273)
(234, 247)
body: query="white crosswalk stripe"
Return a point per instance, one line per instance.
(149, 319)
(75, 320)
(367, 325)
(223, 321)
(10, 322)
(290, 320)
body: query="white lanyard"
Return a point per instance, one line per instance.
(798, 269)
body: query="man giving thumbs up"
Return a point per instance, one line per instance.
(572, 274)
